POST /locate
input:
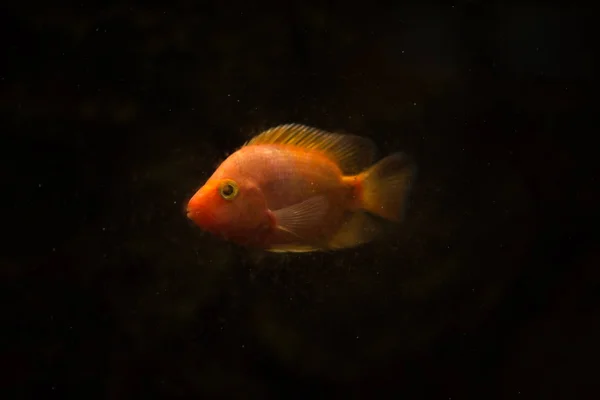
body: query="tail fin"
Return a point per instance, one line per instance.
(384, 187)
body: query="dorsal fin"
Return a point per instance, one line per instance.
(351, 153)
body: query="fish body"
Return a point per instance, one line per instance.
(295, 188)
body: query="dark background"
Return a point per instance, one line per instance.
(114, 114)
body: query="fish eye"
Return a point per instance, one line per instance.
(228, 189)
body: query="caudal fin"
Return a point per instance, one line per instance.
(384, 187)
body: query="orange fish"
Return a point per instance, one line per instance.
(295, 188)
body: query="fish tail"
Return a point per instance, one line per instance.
(383, 188)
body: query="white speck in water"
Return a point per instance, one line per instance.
(174, 201)
(414, 104)
(243, 346)
(103, 229)
(39, 185)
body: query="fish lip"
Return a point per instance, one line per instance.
(191, 213)
(201, 217)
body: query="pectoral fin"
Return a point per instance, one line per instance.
(359, 228)
(302, 220)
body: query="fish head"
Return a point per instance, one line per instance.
(230, 206)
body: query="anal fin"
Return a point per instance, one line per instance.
(292, 248)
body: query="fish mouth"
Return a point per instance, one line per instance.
(198, 211)
(197, 216)
(201, 217)
(190, 214)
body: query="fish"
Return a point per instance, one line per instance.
(295, 188)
